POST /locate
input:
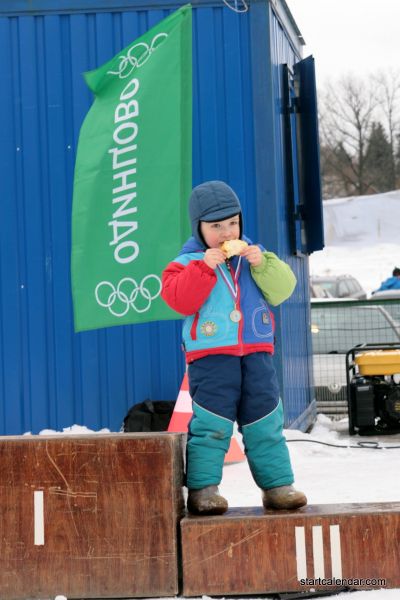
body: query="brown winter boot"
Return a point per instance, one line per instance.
(284, 496)
(206, 501)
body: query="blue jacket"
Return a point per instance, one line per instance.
(204, 296)
(392, 283)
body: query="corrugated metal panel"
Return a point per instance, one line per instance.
(50, 376)
(223, 131)
(295, 343)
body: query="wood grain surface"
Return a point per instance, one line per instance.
(109, 521)
(252, 551)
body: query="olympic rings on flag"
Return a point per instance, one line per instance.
(127, 297)
(137, 55)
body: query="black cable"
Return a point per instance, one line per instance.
(359, 446)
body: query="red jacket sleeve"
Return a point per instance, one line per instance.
(186, 288)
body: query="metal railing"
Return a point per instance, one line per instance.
(336, 327)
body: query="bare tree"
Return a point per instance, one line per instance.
(351, 114)
(387, 85)
(346, 117)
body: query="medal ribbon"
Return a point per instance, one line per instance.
(233, 289)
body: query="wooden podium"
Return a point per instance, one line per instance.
(324, 547)
(97, 516)
(92, 516)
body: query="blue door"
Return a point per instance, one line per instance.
(302, 157)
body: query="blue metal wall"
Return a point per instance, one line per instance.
(50, 376)
(294, 350)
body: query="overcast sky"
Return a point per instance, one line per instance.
(357, 36)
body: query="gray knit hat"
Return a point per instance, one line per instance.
(212, 201)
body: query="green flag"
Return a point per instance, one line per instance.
(133, 178)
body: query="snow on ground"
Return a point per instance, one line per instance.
(362, 237)
(362, 220)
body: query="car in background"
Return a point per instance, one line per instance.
(340, 286)
(317, 291)
(391, 302)
(336, 327)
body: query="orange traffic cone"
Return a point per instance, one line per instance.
(183, 413)
(235, 453)
(183, 409)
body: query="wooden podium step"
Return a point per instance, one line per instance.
(321, 547)
(92, 516)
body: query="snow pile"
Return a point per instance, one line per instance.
(73, 430)
(362, 220)
(362, 237)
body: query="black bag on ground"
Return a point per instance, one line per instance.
(149, 416)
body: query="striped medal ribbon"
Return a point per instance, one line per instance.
(235, 315)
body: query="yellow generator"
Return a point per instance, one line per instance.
(373, 389)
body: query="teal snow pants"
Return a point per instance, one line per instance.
(226, 389)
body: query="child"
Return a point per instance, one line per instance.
(228, 337)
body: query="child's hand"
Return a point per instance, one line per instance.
(214, 257)
(253, 255)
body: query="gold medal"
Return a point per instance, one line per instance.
(235, 316)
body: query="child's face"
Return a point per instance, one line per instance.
(217, 232)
